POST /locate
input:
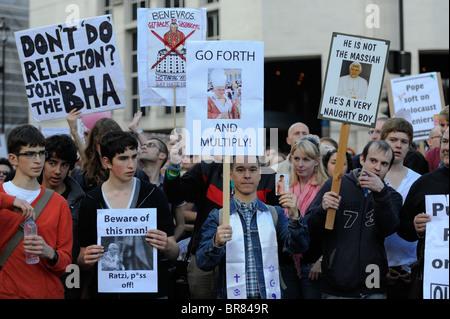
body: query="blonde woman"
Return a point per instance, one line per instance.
(306, 178)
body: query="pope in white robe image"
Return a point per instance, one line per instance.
(352, 85)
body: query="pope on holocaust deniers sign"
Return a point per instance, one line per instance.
(71, 66)
(354, 79)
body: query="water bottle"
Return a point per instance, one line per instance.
(30, 229)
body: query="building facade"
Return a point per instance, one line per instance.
(297, 36)
(14, 14)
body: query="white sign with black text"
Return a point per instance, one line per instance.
(71, 66)
(436, 275)
(129, 263)
(354, 79)
(225, 98)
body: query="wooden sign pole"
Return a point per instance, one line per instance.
(226, 190)
(175, 108)
(338, 170)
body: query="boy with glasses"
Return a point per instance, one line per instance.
(53, 244)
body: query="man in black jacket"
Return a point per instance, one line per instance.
(413, 219)
(354, 260)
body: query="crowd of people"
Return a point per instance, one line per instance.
(274, 245)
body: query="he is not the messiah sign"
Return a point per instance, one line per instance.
(354, 79)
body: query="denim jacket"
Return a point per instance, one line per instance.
(292, 235)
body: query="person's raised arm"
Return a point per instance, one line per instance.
(134, 127)
(72, 118)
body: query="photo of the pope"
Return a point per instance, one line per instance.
(354, 80)
(224, 94)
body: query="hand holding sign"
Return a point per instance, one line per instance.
(331, 200)
(223, 235)
(420, 222)
(91, 254)
(289, 201)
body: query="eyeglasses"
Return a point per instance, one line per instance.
(32, 155)
(377, 132)
(149, 145)
(4, 173)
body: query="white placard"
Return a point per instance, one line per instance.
(436, 275)
(163, 37)
(71, 66)
(421, 95)
(225, 98)
(129, 264)
(353, 98)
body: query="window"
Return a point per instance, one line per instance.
(212, 32)
(174, 3)
(135, 4)
(292, 89)
(108, 7)
(436, 61)
(134, 77)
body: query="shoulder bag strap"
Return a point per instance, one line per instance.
(15, 240)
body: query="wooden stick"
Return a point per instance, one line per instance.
(338, 169)
(175, 108)
(226, 190)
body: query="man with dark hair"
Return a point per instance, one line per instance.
(153, 156)
(354, 262)
(247, 249)
(61, 159)
(53, 243)
(375, 134)
(202, 185)
(124, 191)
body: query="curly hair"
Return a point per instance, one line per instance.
(62, 146)
(92, 164)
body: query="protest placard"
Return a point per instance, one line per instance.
(351, 93)
(225, 101)
(129, 263)
(421, 96)
(71, 66)
(3, 146)
(163, 36)
(436, 275)
(354, 79)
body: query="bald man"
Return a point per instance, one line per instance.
(434, 139)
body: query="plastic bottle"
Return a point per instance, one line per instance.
(30, 229)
